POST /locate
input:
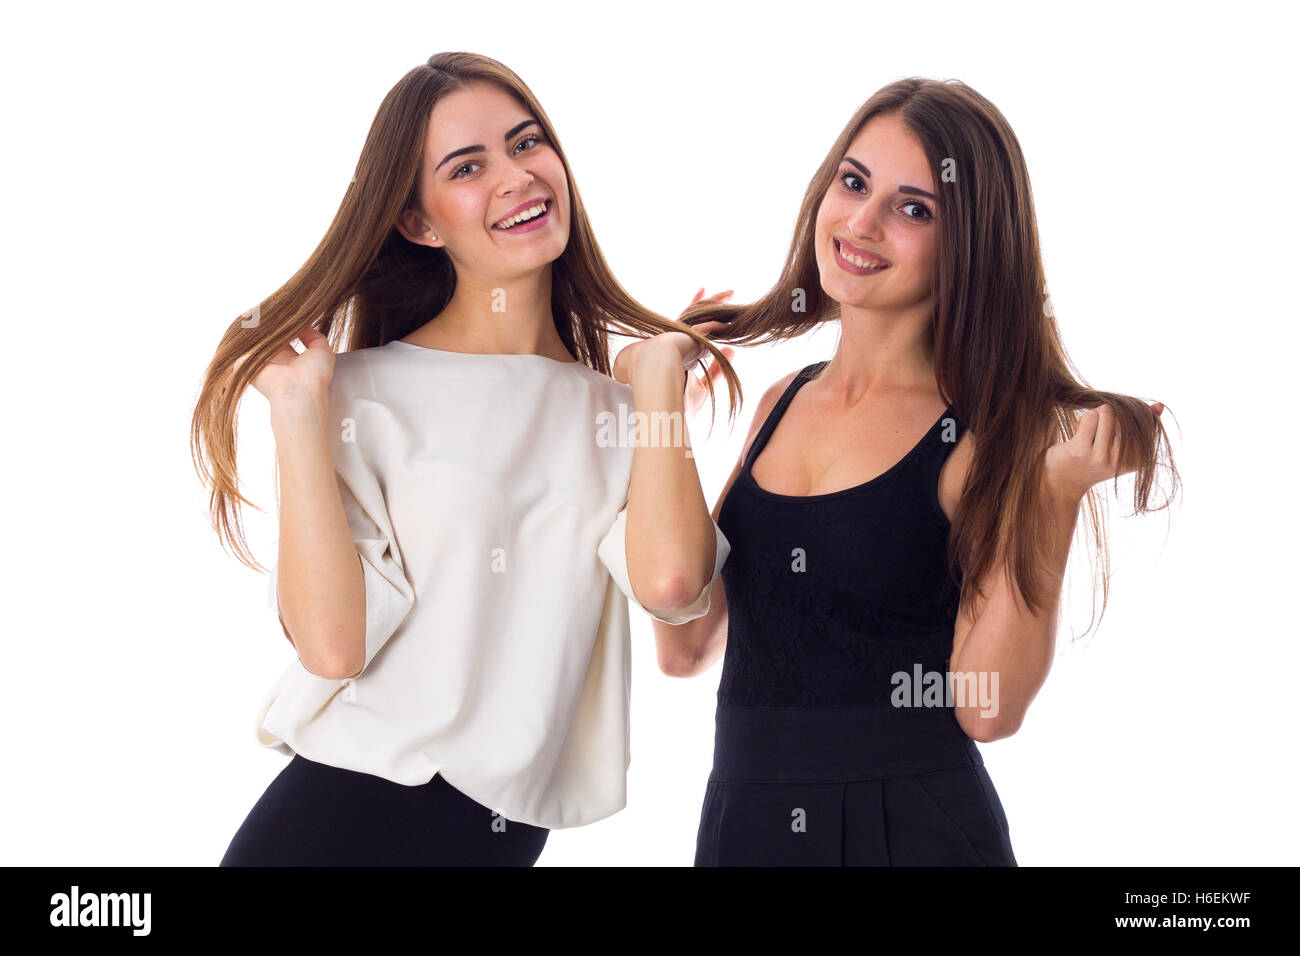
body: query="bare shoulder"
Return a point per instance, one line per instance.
(765, 405)
(953, 475)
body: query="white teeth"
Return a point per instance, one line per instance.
(524, 216)
(860, 263)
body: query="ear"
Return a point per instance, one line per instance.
(415, 228)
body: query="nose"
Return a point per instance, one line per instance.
(865, 222)
(514, 179)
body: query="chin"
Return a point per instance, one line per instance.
(539, 259)
(548, 255)
(839, 291)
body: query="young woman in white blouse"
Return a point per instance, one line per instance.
(465, 689)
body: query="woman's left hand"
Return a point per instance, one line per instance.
(1095, 453)
(667, 347)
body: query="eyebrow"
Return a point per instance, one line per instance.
(478, 149)
(910, 190)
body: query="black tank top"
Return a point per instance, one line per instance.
(829, 596)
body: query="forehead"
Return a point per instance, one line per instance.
(477, 114)
(892, 152)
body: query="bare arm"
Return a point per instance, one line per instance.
(671, 545)
(688, 649)
(319, 579)
(998, 636)
(320, 586)
(999, 640)
(685, 650)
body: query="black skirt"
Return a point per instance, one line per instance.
(848, 786)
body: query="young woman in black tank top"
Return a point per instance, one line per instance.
(875, 629)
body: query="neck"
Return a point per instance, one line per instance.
(497, 316)
(881, 353)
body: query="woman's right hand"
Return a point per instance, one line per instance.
(290, 375)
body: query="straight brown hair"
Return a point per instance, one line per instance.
(997, 351)
(366, 285)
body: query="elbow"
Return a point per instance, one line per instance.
(672, 593)
(682, 661)
(334, 670)
(333, 664)
(680, 665)
(985, 730)
(690, 649)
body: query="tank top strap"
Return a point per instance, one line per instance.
(943, 438)
(774, 416)
(932, 454)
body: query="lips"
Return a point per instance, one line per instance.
(536, 201)
(870, 258)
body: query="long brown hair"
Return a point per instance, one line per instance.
(998, 357)
(381, 287)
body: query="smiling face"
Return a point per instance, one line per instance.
(876, 237)
(486, 162)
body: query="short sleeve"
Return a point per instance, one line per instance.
(389, 594)
(613, 554)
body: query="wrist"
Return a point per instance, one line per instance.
(652, 365)
(1062, 502)
(299, 405)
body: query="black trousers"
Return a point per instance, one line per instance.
(863, 786)
(313, 814)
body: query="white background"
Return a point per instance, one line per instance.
(168, 166)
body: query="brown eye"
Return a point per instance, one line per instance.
(925, 211)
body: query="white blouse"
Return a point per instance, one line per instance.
(486, 495)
